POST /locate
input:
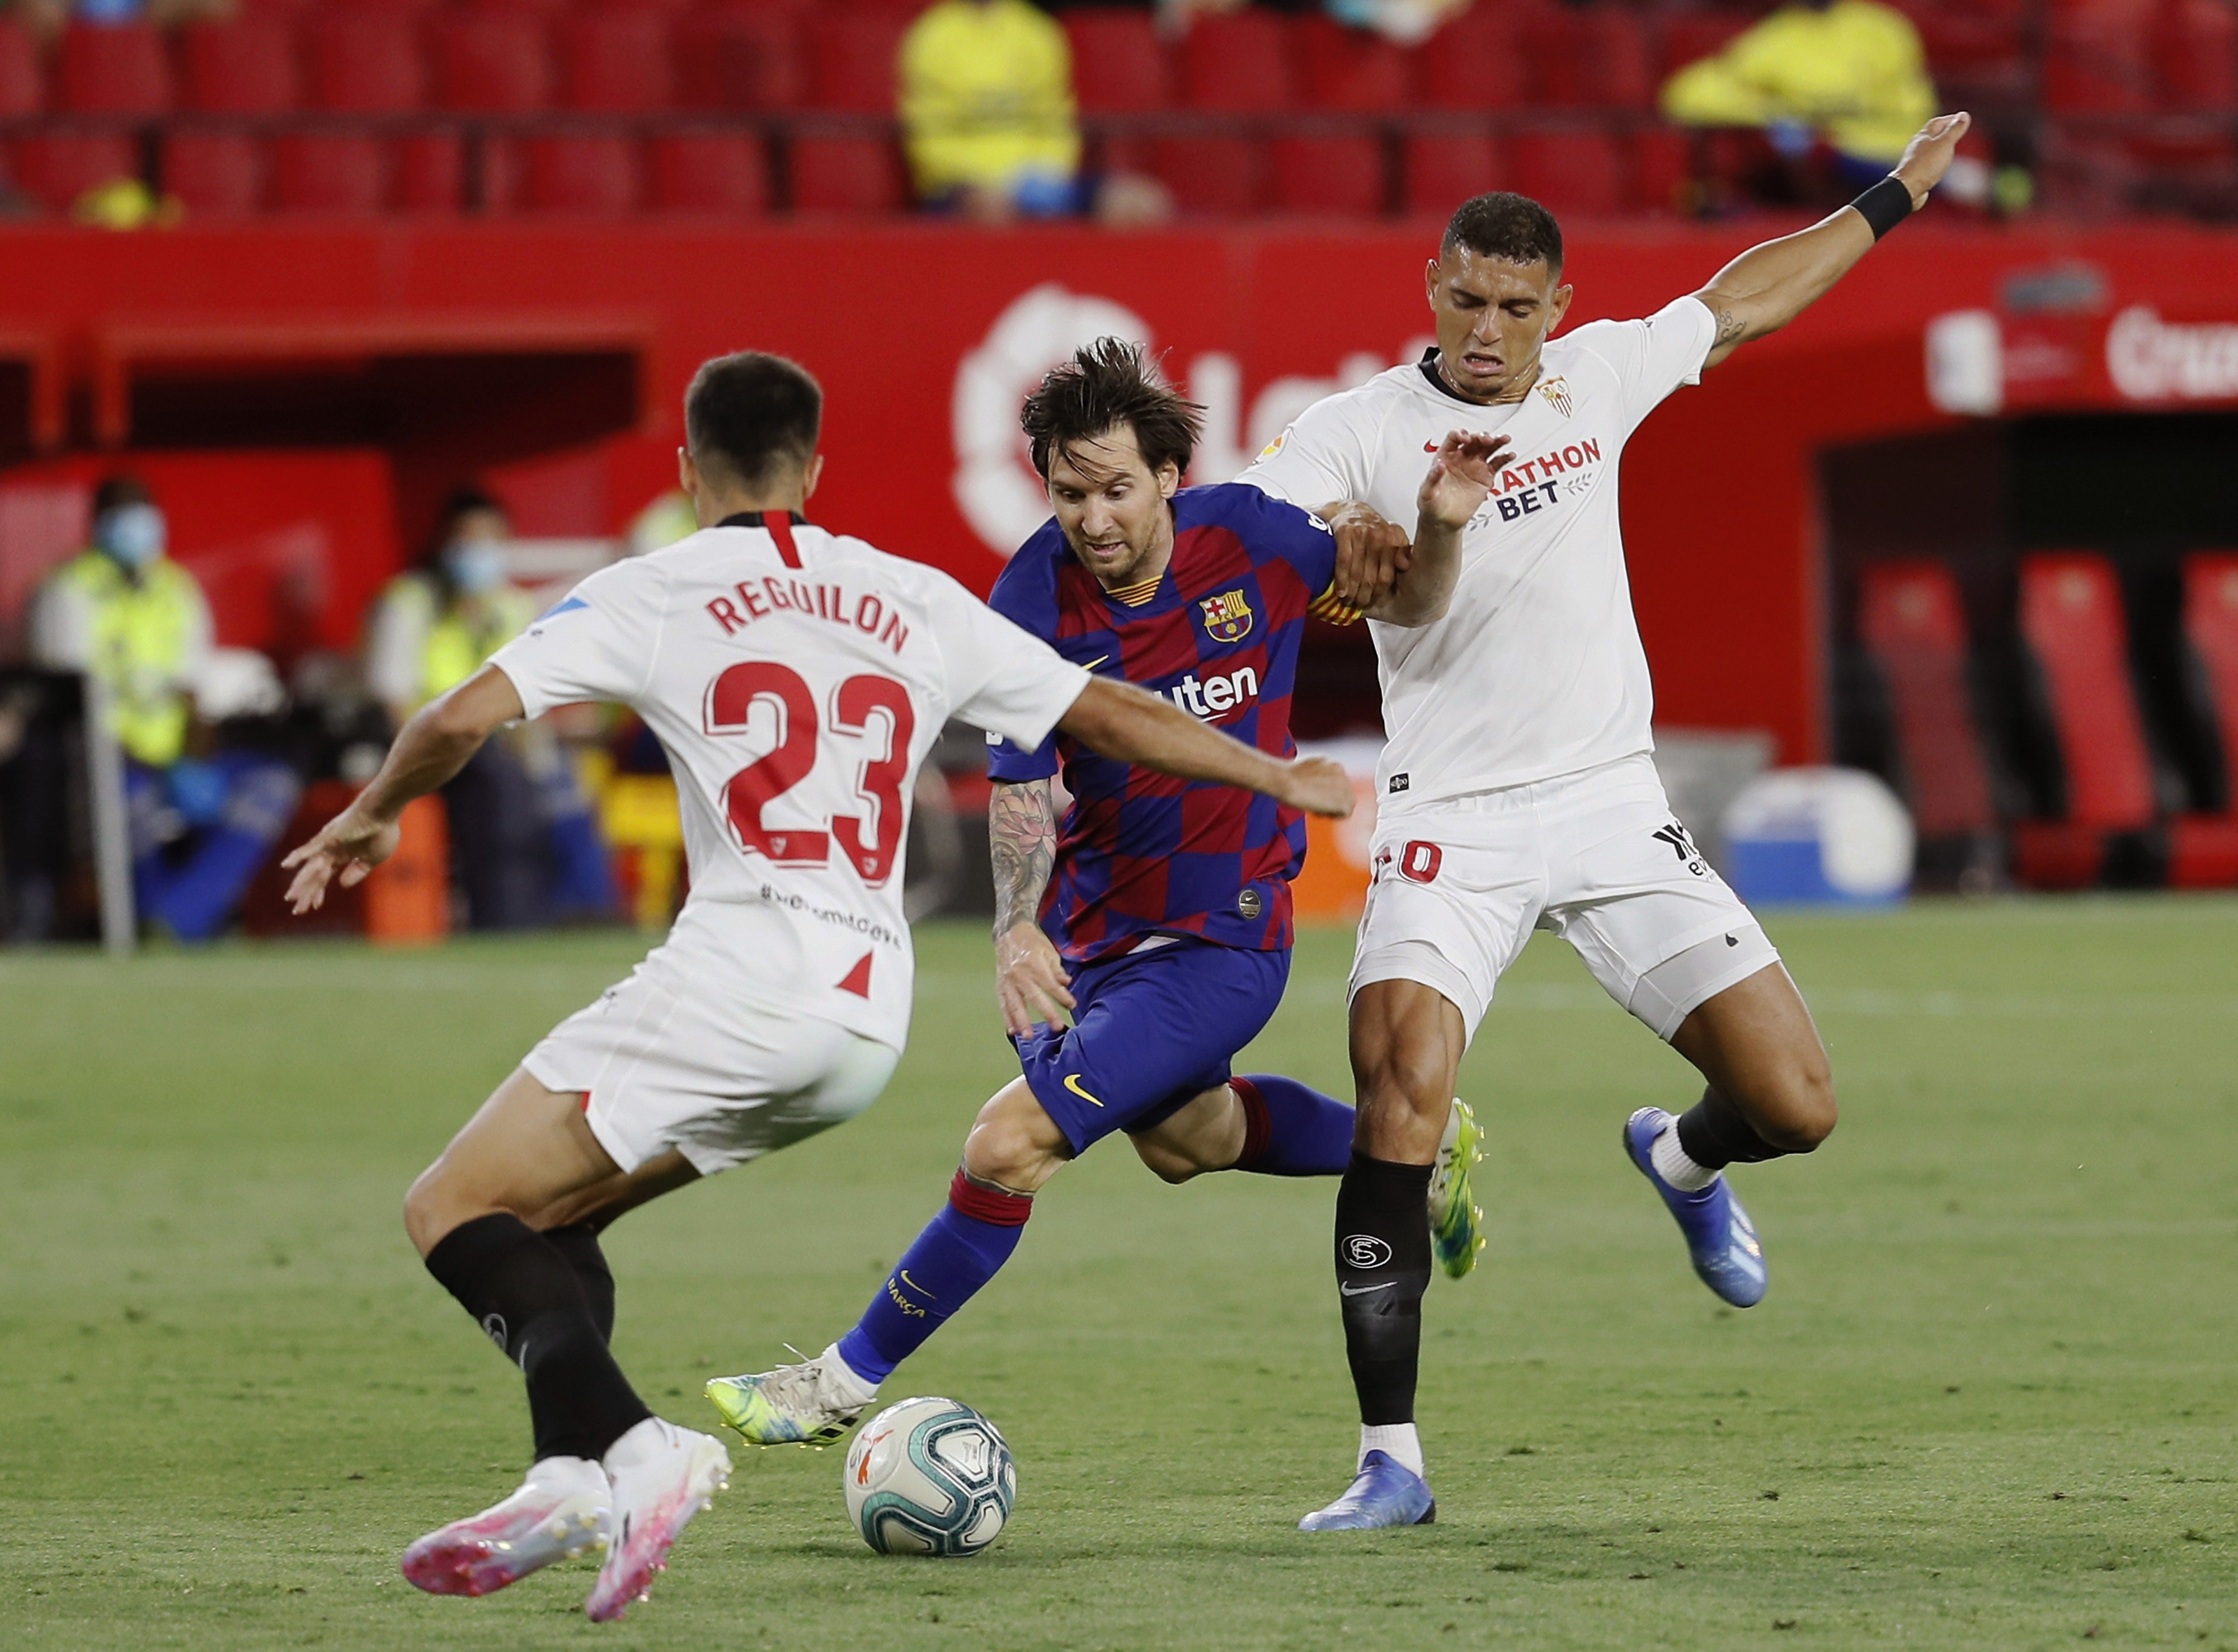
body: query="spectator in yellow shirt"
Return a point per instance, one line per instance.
(987, 110)
(1849, 71)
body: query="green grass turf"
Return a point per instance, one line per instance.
(1988, 1404)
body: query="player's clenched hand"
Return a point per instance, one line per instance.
(1461, 478)
(1928, 156)
(1371, 554)
(1029, 980)
(1320, 786)
(346, 848)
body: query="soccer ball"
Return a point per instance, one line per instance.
(930, 1476)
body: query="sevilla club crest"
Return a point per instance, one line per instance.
(1556, 390)
(1226, 617)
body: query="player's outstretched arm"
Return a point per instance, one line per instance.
(1030, 979)
(431, 748)
(1768, 285)
(1134, 726)
(1461, 478)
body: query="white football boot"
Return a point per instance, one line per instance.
(662, 1476)
(810, 1404)
(563, 1509)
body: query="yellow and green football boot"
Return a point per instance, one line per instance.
(1456, 1221)
(805, 1405)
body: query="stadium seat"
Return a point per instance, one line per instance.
(1689, 37)
(1572, 170)
(1912, 624)
(111, 69)
(2098, 58)
(736, 58)
(491, 63)
(1439, 170)
(2194, 51)
(852, 55)
(1472, 65)
(587, 176)
(1661, 170)
(615, 62)
(1216, 175)
(214, 175)
(1596, 58)
(844, 173)
(327, 172)
(245, 67)
(428, 172)
(1237, 63)
(56, 168)
(365, 62)
(1338, 173)
(1118, 67)
(21, 90)
(1350, 70)
(654, 8)
(720, 173)
(2203, 849)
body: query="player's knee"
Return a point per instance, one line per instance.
(1405, 1076)
(1167, 1164)
(1014, 1144)
(429, 1211)
(1803, 1112)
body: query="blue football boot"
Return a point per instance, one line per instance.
(1719, 1236)
(1387, 1493)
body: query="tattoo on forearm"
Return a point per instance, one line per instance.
(1021, 836)
(1730, 327)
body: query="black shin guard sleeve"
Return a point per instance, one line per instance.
(1382, 1268)
(521, 1291)
(580, 1245)
(1713, 1135)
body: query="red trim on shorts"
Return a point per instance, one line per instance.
(780, 529)
(587, 1102)
(989, 1204)
(1258, 1122)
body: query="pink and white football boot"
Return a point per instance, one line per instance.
(662, 1476)
(563, 1509)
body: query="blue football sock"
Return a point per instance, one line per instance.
(1291, 1130)
(959, 1251)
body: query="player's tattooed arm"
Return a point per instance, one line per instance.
(1029, 978)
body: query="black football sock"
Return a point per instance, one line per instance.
(1382, 1268)
(580, 1245)
(520, 1290)
(1713, 1135)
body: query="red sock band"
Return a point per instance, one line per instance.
(989, 1204)
(1258, 1123)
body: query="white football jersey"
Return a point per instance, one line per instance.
(796, 680)
(1536, 671)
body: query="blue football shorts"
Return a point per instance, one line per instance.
(1151, 1031)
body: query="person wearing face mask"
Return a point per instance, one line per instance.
(201, 819)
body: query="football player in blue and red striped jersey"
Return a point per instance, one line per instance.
(1157, 915)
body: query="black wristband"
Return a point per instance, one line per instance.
(1884, 205)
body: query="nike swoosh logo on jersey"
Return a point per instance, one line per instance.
(1072, 1083)
(1364, 1289)
(1097, 661)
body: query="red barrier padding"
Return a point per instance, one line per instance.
(2202, 852)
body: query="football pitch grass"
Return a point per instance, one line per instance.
(1989, 1402)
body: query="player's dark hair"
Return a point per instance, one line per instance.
(113, 493)
(1107, 384)
(752, 415)
(1511, 227)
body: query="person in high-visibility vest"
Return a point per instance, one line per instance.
(203, 819)
(523, 847)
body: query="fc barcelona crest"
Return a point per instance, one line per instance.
(1226, 617)
(1556, 390)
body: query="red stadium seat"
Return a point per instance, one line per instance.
(724, 174)
(1439, 170)
(56, 168)
(1118, 67)
(735, 59)
(245, 67)
(846, 174)
(2203, 850)
(214, 175)
(1350, 70)
(2074, 629)
(1238, 63)
(1214, 176)
(1473, 64)
(1328, 172)
(592, 176)
(1575, 171)
(426, 172)
(1661, 170)
(112, 69)
(1912, 622)
(2195, 56)
(852, 55)
(491, 63)
(328, 172)
(21, 92)
(1594, 58)
(2098, 58)
(654, 8)
(365, 62)
(1689, 37)
(615, 61)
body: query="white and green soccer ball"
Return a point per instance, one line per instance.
(930, 1476)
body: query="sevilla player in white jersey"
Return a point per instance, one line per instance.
(1516, 788)
(796, 680)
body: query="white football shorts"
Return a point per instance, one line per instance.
(669, 1060)
(1597, 857)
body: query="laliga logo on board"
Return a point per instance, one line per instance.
(995, 485)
